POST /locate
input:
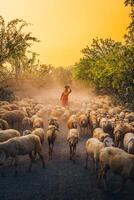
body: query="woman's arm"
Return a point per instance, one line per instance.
(61, 96)
(70, 90)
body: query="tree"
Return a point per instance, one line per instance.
(14, 43)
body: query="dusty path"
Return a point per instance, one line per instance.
(61, 180)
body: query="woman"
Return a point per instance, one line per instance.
(64, 96)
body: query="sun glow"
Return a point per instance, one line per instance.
(66, 26)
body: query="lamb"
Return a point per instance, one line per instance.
(72, 122)
(7, 134)
(129, 143)
(22, 146)
(73, 138)
(118, 161)
(3, 125)
(51, 135)
(38, 123)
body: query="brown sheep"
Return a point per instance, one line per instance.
(107, 126)
(14, 118)
(72, 122)
(40, 133)
(38, 123)
(93, 122)
(27, 124)
(120, 130)
(53, 121)
(83, 123)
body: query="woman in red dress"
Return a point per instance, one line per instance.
(64, 96)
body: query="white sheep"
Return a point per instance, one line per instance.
(73, 138)
(51, 135)
(7, 134)
(22, 146)
(118, 162)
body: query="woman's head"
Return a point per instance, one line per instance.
(66, 87)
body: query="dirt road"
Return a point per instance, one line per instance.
(60, 180)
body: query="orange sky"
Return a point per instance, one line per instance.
(66, 26)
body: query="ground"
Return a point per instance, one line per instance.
(60, 180)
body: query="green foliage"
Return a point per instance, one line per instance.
(14, 44)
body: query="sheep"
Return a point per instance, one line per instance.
(83, 123)
(72, 122)
(102, 136)
(66, 115)
(40, 133)
(73, 138)
(22, 146)
(117, 161)
(107, 126)
(130, 117)
(38, 123)
(119, 131)
(129, 143)
(27, 132)
(7, 134)
(27, 124)
(14, 118)
(93, 147)
(93, 122)
(53, 121)
(51, 135)
(3, 124)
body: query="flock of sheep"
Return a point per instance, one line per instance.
(109, 128)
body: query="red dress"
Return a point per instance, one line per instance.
(64, 99)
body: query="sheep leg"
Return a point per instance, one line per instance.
(70, 151)
(121, 187)
(87, 157)
(52, 149)
(81, 131)
(3, 169)
(104, 178)
(74, 150)
(31, 161)
(42, 159)
(16, 165)
(49, 150)
(102, 175)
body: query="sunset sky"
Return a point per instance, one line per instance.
(66, 26)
